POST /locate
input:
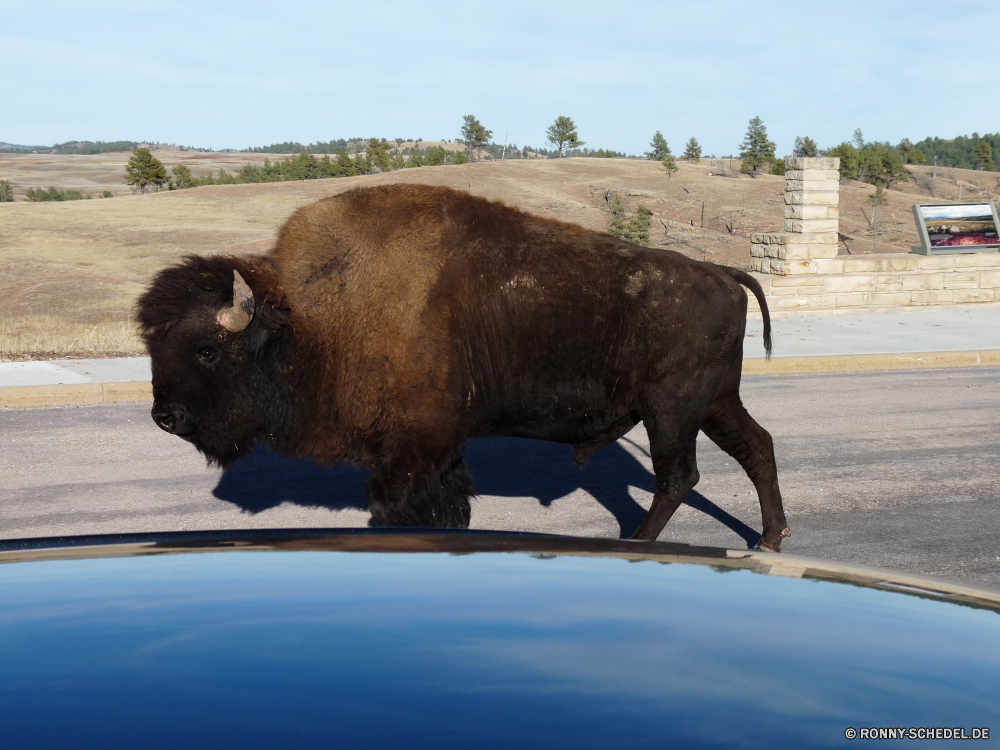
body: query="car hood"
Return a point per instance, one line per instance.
(370, 638)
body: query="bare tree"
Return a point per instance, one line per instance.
(876, 200)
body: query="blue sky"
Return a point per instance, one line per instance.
(237, 74)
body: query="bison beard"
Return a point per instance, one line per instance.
(390, 325)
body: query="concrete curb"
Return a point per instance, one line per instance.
(869, 362)
(99, 393)
(80, 394)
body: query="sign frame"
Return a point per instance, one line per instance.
(926, 248)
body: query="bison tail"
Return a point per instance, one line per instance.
(753, 285)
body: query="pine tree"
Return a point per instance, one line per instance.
(757, 150)
(692, 150)
(475, 136)
(378, 155)
(182, 177)
(805, 146)
(562, 134)
(618, 218)
(984, 156)
(640, 225)
(435, 156)
(659, 150)
(143, 170)
(849, 161)
(630, 227)
(6, 192)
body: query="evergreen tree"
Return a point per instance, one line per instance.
(435, 156)
(630, 227)
(859, 139)
(344, 166)
(805, 146)
(144, 170)
(640, 225)
(881, 164)
(911, 154)
(757, 150)
(618, 218)
(848, 156)
(6, 192)
(475, 136)
(377, 153)
(659, 150)
(562, 134)
(984, 156)
(692, 151)
(182, 177)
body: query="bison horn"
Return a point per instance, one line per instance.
(237, 317)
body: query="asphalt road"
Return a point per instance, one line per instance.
(895, 469)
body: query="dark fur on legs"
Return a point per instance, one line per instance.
(439, 499)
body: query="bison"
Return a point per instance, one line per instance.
(390, 325)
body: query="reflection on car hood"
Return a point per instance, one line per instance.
(461, 639)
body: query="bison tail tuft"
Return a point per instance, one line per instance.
(742, 277)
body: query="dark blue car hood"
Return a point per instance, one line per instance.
(385, 640)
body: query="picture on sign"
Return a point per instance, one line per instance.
(960, 225)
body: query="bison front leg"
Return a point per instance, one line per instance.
(408, 492)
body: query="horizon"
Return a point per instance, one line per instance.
(235, 76)
(418, 139)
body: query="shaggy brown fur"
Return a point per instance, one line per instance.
(395, 323)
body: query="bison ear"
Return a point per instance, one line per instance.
(269, 324)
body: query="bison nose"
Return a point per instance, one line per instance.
(173, 419)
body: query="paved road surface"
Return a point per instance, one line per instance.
(894, 469)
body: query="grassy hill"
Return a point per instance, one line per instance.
(71, 271)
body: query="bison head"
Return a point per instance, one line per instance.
(217, 334)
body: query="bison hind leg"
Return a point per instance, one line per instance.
(437, 499)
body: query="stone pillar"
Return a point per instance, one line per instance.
(812, 206)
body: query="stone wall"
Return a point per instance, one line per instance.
(799, 269)
(812, 213)
(889, 280)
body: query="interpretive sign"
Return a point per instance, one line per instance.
(957, 228)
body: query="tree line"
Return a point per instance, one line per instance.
(965, 152)
(145, 172)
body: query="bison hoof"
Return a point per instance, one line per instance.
(774, 545)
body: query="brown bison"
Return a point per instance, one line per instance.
(389, 325)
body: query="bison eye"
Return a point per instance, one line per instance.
(208, 355)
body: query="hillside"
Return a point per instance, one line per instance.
(72, 271)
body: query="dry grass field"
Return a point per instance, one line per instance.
(70, 272)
